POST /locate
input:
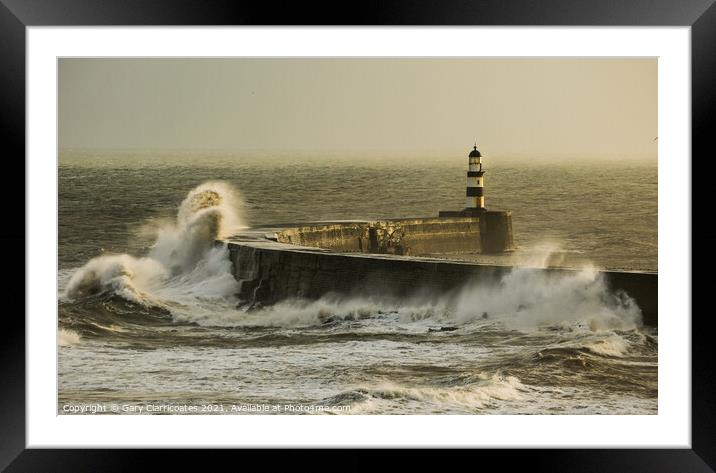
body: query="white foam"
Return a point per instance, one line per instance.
(529, 297)
(613, 345)
(487, 390)
(183, 265)
(526, 299)
(67, 338)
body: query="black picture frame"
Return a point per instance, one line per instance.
(700, 15)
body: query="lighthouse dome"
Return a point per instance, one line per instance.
(475, 153)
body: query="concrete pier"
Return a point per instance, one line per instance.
(407, 236)
(459, 232)
(270, 270)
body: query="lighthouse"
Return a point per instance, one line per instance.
(475, 194)
(493, 227)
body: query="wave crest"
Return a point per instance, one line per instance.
(483, 393)
(182, 261)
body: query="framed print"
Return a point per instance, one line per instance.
(444, 226)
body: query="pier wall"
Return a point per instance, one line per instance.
(495, 227)
(269, 272)
(409, 236)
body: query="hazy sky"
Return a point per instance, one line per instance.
(514, 107)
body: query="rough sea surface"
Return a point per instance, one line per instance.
(148, 318)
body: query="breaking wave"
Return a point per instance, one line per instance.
(483, 391)
(527, 298)
(68, 338)
(182, 266)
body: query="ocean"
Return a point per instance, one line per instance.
(149, 323)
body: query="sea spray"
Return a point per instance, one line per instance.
(526, 298)
(183, 261)
(208, 212)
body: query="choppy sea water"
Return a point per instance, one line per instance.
(148, 317)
